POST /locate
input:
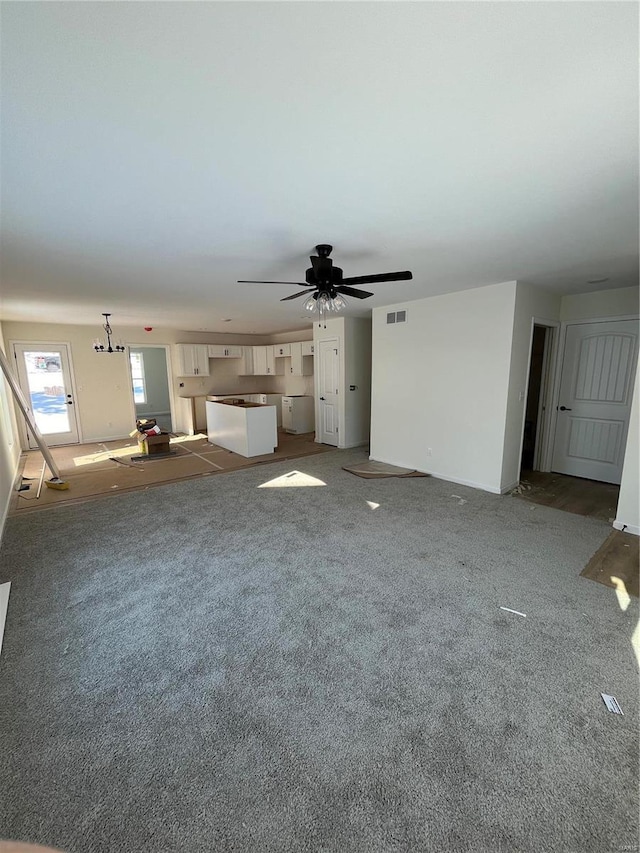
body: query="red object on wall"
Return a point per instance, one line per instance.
(148, 328)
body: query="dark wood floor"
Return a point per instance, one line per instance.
(571, 494)
(617, 560)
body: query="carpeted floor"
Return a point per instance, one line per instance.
(214, 666)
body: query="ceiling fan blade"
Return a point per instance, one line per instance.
(299, 293)
(349, 291)
(383, 276)
(248, 281)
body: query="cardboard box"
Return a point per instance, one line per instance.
(152, 444)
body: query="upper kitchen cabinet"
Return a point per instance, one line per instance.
(282, 350)
(193, 359)
(222, 351)
(246, 363)
(301, 363)
(265, 362)
(307, 347)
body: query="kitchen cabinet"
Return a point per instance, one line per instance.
(269, 400)
(248, 429)
(307, 347)
(246, 364)
(300, 365)
(222, 351)
(193, 359)
(193, 413)
(281, 350)
(298, 414)
(265, 362)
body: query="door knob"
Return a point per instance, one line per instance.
(322, 398)
(564, 409)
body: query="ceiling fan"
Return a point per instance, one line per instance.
(328, 284)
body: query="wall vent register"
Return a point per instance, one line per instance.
(396, 317)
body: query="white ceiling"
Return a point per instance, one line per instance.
(153, 153)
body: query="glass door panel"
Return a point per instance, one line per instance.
(45, 379)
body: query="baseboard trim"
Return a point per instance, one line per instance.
(5, 589)
(628, 528)
(494, 490)
(14, 485)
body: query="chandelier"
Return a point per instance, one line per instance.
(99, 346)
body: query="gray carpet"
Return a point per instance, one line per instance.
(209, 666)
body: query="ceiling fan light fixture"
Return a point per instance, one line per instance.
(310, 304)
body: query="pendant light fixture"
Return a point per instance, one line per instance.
(99, 346)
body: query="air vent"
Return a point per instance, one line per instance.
(391, 318)
(396, 317)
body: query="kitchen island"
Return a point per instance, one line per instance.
(248, 429)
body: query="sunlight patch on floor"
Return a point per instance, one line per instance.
(103, 455)
(372, 505)
(624, 599)
(182, 439)
(635, 642)
(293, 478)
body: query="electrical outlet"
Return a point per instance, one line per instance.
(428, 451)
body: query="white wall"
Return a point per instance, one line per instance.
(624, 301)
(628, 512)
(441, 381)
(532, 303)
(9, 443)
(357, 372)
(104, 400)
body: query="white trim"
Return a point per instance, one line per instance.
(5, 509)
(22, 427)
(613, 319)
(494, 490)
(172, 402)
(5, 589)
(628, 528)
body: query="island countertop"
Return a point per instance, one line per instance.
(249, 429)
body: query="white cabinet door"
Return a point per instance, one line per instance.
(259, 361)
(301, 365)
(307, 347)
(193, 359)
(265, 362)
(246, 365)
(224, 351)
(282, 350)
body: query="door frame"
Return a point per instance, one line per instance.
(22, 426)
(167, 354)
(560, 357)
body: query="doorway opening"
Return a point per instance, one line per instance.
(535, 419)
(150, 384)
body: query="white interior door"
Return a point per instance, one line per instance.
(596, 387)
(45, 378)
(328, 386)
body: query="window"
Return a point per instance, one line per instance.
(137, 374)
